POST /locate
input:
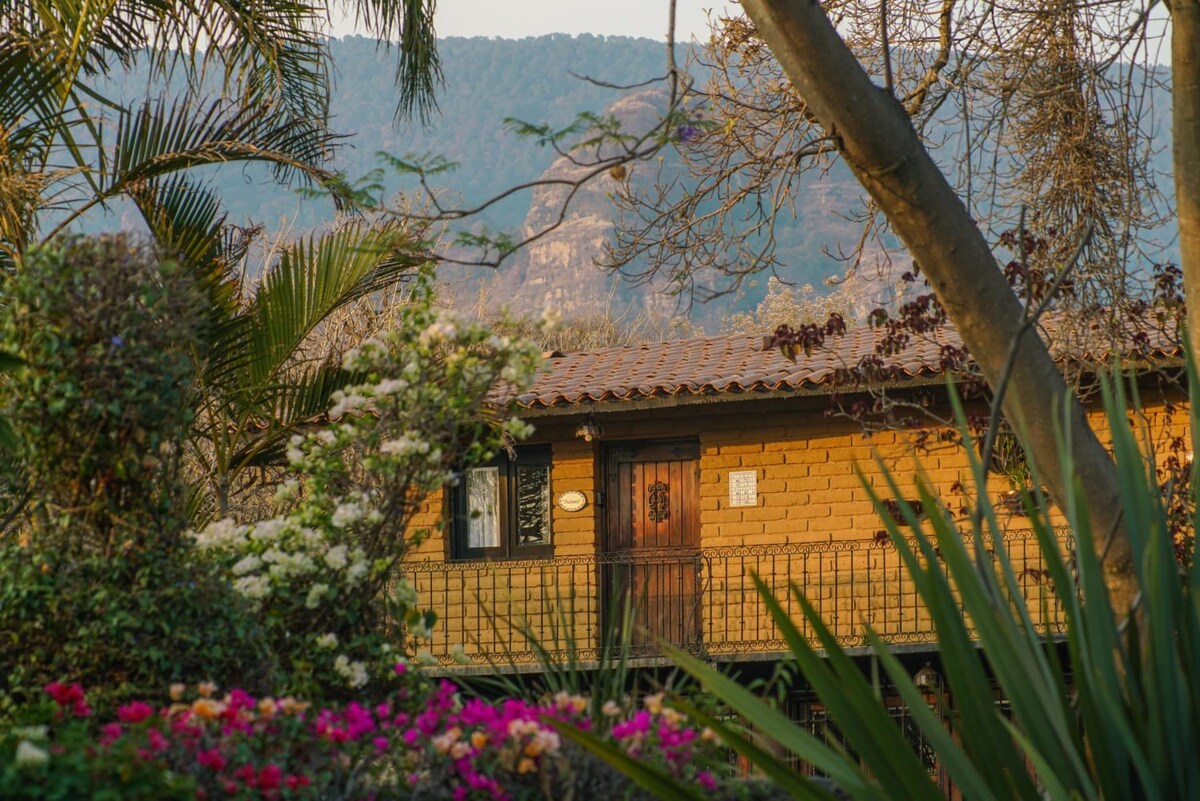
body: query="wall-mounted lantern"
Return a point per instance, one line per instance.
(588, 430)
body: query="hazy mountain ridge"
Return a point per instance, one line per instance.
(487, 81)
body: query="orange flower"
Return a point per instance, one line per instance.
(479, 740)
(526, 765)
(207, 708)
(291, 706)
(206, 689)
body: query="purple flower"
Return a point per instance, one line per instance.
(686, 133)
(116, 341)
(638, 724)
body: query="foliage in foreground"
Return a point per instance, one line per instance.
(102, 582)
(420, 740)
(1113, 718)
(106, 332)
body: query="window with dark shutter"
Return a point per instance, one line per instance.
(502, 510)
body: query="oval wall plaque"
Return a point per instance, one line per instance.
(572, 501)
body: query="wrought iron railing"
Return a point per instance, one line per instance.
(504, 613)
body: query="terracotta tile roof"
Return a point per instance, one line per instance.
(738, 363)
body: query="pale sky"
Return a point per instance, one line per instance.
(515, 19)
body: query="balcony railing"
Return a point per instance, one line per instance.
(503, 613)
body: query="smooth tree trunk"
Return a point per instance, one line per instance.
(878, 142)
(1185, 125)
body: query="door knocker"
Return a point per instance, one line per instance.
(660, 501)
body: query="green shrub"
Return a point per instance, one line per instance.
(100, 402)
(97, 581)
(51, 754)
(324, 576)
(129, 625)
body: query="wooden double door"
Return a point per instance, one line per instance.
(651, 565)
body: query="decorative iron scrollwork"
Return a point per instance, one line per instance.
(660, 501)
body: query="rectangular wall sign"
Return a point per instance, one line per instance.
(743, 488)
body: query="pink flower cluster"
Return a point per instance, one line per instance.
(241, 747)
(481, 748)
(244, 747)
(665, 732)
(489, 751)
(69, 698)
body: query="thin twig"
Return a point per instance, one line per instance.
(620, 87)
(1010, 362)
(16, 511)
(886, 46)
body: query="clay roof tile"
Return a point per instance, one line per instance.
(738, 363)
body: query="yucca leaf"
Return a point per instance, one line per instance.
(773, 768)
(1012, 644)
(1168, 704)
(951, 756)
(966, 676)
(840, 684)
(775, 725)
(1052, 788)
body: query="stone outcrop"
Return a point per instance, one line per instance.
(562, 269)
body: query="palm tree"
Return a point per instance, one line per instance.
(257, 388)
(67, 149)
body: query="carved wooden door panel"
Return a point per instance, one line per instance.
(652, 538)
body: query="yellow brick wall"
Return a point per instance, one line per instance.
(575, 468)
(429, 520)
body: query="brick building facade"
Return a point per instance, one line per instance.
(664, 476)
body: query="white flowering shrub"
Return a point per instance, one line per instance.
(323, 575)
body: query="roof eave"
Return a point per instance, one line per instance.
(709, 395)
(715, 396)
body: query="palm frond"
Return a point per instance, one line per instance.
(157, 138)
(188, 223)
(315, 277)
(419, 69)
(286, 408)
(31, 78)
(92, 37)
(275, 54)
(184, 218)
